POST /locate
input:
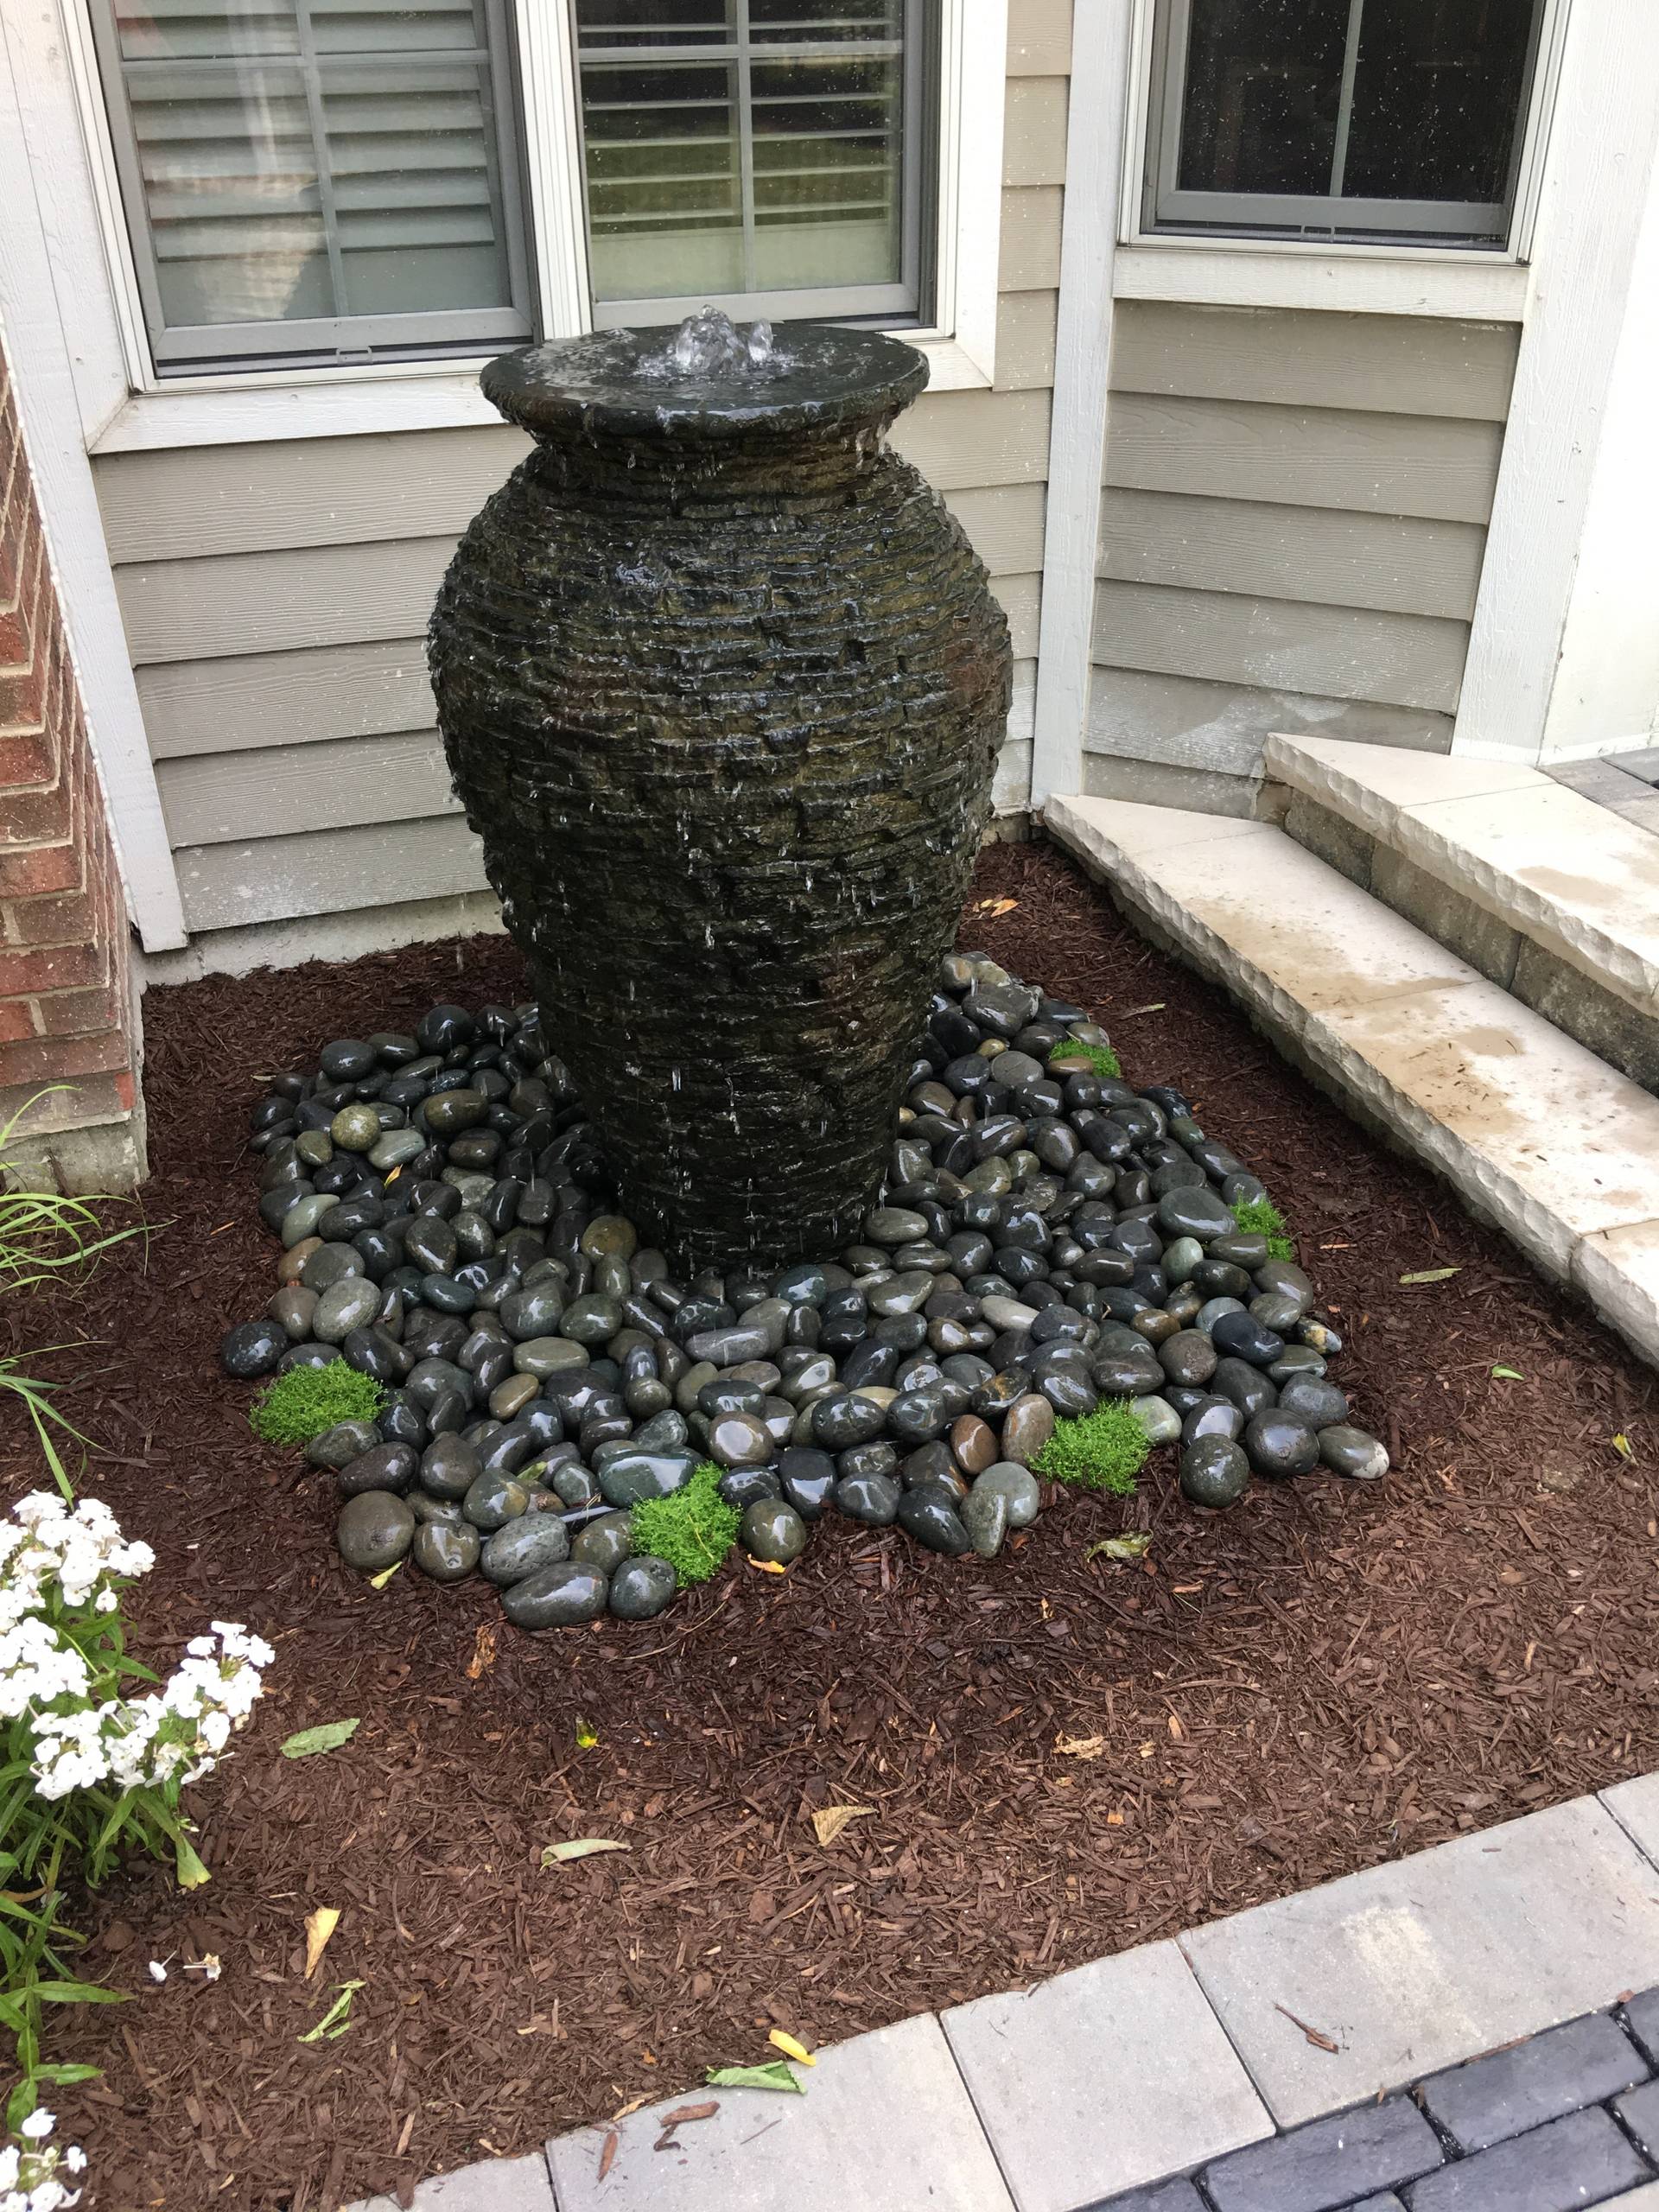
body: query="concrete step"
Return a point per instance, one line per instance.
(1537, 1134)
(1546, 893)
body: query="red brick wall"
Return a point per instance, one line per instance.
(65, 1000)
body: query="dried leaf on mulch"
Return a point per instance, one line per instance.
(828, 1822)
(319, 1927)
(585, 1846)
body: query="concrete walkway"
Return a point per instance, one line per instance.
(1254, 2065)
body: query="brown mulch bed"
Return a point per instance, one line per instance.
(1325, 1677)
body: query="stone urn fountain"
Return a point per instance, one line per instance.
(722, 684)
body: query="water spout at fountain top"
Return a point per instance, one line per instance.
(710, 345)
(711, 379)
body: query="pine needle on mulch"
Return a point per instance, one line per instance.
(1327, 1676)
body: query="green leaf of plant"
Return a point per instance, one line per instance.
(584, 1846)
(779, 2076)
(76, 1993)
(328, 1738)
(1432, 1275)
(1509, 1374)
(1134, 1547)
(191, 1872)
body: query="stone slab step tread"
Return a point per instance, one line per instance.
(1537, 1133)
(1577, 879)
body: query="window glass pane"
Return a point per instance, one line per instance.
(306, 161)
(744, 147)
(1263, 79)
(1311, 116)
(1437, 98)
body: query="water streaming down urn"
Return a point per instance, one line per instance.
(722, 684)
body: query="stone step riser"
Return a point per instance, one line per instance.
(1537, 1134)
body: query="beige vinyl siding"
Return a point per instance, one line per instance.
(1292, 529)
(276, 594)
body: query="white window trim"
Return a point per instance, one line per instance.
(1351, 277)
(127, 408)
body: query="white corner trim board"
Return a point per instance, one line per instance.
(1535, 1132)
(1597, 194)
(1100, 71)
(50, 413)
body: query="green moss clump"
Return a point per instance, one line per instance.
(693, 1530)
(1262, 1218)
(1101, 1058)
(306, 1401)
(1103, 1450)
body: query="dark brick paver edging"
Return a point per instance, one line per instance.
(1563, 2119)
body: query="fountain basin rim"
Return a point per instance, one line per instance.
(573, 389)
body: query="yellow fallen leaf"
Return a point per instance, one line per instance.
(791, 2049)
(586, 1734)
(1622, 1445)
(319, 1927)
(1080, 1747)
(767, 1566)
(379, 1581)
(828, 1822)
(483, 1653)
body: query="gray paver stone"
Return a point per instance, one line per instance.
(493, 2185)
(1410, 1967)
(1162, 2196)
(886, 2125)
(1103, 2080)
(1582, 2159)
(1319, 2168)
(1642, 2014)
(1640, 2113)
(1561, 2070)
(1387, 2202)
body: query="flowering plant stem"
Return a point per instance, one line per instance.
(88, 1770)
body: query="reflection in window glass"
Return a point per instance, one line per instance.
(743, 150)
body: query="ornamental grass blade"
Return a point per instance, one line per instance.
(327, 1736)
(338, 2018)
(828, 1822)
(584, 1846)
(1431, 1275)
(777, 2075)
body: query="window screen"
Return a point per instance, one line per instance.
(333, 179)
(766, 157)
(1340, 118)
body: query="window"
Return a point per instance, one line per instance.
(1340, 119)
(765, 155)
(322, 179)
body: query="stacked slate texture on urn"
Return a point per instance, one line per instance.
(1048, 1239)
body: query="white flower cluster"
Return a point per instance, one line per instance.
(50, 1556)
(29, 2170)
(81, 1553)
